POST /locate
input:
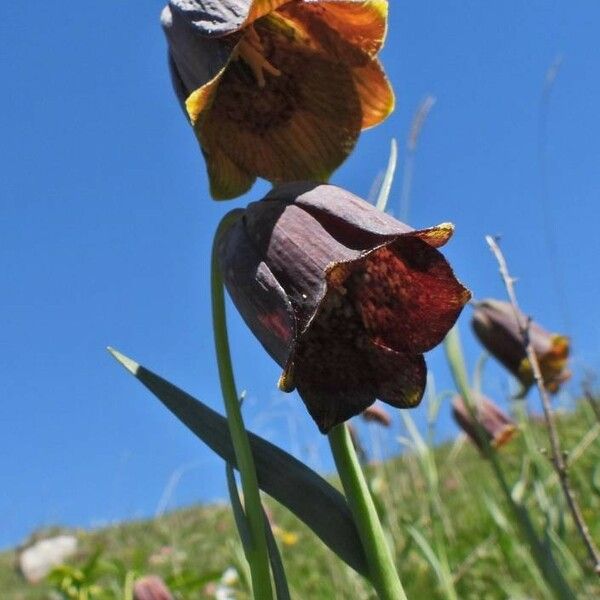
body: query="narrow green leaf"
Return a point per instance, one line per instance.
(280, 475)
(388, 178)
(427, 551)
(238, 509)
(281, 587)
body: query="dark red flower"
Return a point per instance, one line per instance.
(498, 427)
(345, 298)
(495, 325)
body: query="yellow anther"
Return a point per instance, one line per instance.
(250, 50)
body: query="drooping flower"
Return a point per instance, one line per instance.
(377, 414)
(345, 298)
(278, 89)
(495, 325)
(494, 424)
(151, 587)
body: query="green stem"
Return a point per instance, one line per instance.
(383, 573)
(257, 552)
(541, 552)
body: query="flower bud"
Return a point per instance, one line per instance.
(496, 326)
(377, 414)
(494, 424)
(344, 297)
(151, 587)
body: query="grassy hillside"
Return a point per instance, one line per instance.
(441, 507)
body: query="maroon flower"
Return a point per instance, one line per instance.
(345, 298)
(498, 331)
(151, 587)
(498, 427)
(377, 414)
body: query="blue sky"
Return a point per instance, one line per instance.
(106, 226)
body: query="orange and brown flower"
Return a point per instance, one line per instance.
(495, 325)
(497, 427)
(344, 297)
(277, 89)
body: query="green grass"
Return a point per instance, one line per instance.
(458, 512)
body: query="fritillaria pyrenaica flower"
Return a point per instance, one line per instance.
(277, 89)
(344, 297)
(497, 427)
(496, 326)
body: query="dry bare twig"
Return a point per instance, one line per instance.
(557, 456)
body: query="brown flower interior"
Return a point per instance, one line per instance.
(285, 111)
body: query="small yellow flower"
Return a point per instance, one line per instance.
(277, 89)
(287, 538)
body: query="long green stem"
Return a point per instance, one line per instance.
(384, 575)
(257, 551)
(541, 553)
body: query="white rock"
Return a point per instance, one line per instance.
(37, 560)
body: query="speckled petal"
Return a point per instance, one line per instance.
(409, 297)
(400, 378)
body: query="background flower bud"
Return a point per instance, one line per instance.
(377, 414)
(497, 329)
(498, 427)
(151, 587)
(345, 298)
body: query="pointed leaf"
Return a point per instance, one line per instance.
(280, 475)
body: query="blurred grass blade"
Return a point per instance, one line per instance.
(280, 475)
(388, 178)
(478, 372)
(427, 551)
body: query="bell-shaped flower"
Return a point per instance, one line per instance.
(276, 89)
(497, 329)
(344, 297)
(494, 425)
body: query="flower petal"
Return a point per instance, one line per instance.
(256, 293)
(408, 296)
(227, 179)
(196, 59)
(435, 236)
(260, 8)
(280, 232)
(218, 18)
(330, 371)
(375, 92)
(400, 378)
(300, 125)
(349, 30)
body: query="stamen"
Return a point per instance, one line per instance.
(250, 50)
